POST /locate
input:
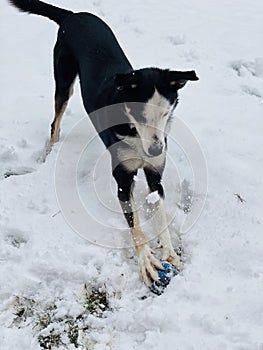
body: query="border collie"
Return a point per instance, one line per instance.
(87, 47)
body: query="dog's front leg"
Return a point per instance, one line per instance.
(148, 264)
(154, 178)
(164, 238)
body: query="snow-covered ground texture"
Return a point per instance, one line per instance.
(48, 271)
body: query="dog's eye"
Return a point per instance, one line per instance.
(173, 82)
(122, 87)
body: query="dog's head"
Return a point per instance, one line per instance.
(150, 96)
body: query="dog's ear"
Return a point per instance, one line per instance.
(128, 80)
(178, 79)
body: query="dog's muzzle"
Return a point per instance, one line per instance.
(156, 148)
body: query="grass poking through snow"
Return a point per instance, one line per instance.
(53, 330)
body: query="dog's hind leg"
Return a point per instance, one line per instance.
(154, 178)
(65, 71)
(148, 264)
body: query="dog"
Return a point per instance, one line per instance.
(145, 100)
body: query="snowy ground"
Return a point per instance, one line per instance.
(216, 302)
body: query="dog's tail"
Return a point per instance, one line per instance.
(41, 8)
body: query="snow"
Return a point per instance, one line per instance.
(216, 301)
(153, 197)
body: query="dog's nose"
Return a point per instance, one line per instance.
(155, 150)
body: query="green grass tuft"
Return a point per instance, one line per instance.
(96, 301)
(52, 340)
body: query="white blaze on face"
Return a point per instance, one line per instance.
(156, 113)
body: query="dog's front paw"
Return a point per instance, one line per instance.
(148, 265)
(168, 254)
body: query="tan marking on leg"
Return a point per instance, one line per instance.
(55, 126)
(138, 236)
(59, 111)
(160, 221)
(148, 264)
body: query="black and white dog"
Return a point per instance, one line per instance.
(146, 99)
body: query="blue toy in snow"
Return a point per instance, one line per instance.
(164, 278)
